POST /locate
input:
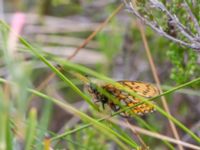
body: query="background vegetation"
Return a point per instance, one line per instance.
(49, 47)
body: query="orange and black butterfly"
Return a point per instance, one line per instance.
(124, 98)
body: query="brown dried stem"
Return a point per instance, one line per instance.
(153, 69)
(91, 36)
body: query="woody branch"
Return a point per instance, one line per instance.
(193, 39)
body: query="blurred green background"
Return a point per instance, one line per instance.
(55, 28)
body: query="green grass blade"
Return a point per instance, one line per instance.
(9, 136)
(3, 121)
(112, 134)
(31, 129)
(44, 123)
(86, 70)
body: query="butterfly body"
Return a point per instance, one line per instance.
(123, 97)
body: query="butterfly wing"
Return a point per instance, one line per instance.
(143, 89)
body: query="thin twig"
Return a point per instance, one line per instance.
(153, 68)
(46, 81)
(194, 19)
(155, 135)
(194, 44)
(99, 28)
(159, 29)
(175, 19)
(137, 134)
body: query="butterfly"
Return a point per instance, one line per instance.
(124, 98)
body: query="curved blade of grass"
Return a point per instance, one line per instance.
(84, 117)
(91, 72)
(112, 134)
(80, 93)
(87, 125)
(56, 71)
(178, 123)
(183, 91)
